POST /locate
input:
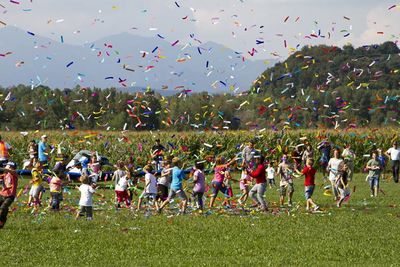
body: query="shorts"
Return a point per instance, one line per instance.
(86, 210)
(218, 186)
(289, 188)
(173, 192)
(344, 192)
(146, 195)
(243, 186)
(373, 181)
(308, 191)
(122, 196)
(35, 190)
(162, 192)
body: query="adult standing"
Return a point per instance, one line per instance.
(394, 154)
(43, 151)
(325, 148)
(258, 190)
(4, 152)
(349, 156)
(333, 168)
(8, 193)
(157, 153)
(307, 154)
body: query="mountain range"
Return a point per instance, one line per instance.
(124, 61)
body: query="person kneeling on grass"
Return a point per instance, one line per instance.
(178, 175)
(150, 187)
(86, 200)
(9, 181)
(309, 183)
(374, 168)
(258, 190)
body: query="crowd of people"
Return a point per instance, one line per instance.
(163, 177)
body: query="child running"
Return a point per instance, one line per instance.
(245, 180)
(118, 174)
(36, 192)
(342, 184)
(164, 181)
(199, 181)
(258, 190)
(374, 168)
(150, 187)
(333, 169)
(219, 177)
(178, 175)
(309, 184)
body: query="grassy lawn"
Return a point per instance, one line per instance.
(363, 232)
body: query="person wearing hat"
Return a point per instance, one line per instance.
(394, 154)
(9, 191)
(4, 152)
(43, 151)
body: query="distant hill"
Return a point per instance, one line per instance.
(335, 85)
(123, 60)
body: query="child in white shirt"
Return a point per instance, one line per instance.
(150, 187)
(271, 175)
(86, 200)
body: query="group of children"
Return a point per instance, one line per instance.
(255, 177)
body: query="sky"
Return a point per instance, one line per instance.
(273, 28)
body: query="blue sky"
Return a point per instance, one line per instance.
(234, 23)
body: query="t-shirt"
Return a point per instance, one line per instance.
(36, 177)
(248, 154)
(270, 173)
(334, 164)
(326, 153)
(118, 174)
(349, 155)
(309, 173)
(42, 151)
(177, 177)
(286, 174)
(394, 153)
(374, 163)
(259, 174)
(86, 195)
(219, 173)
(200, 184)
(122, 184)
(10, 184)
(165, 178)
(55, 185)
(151, 182)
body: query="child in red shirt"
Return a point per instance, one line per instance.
(309, 183)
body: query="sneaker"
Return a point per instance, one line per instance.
(316, 208)
(240, 202)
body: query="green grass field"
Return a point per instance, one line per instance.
(363, 232)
